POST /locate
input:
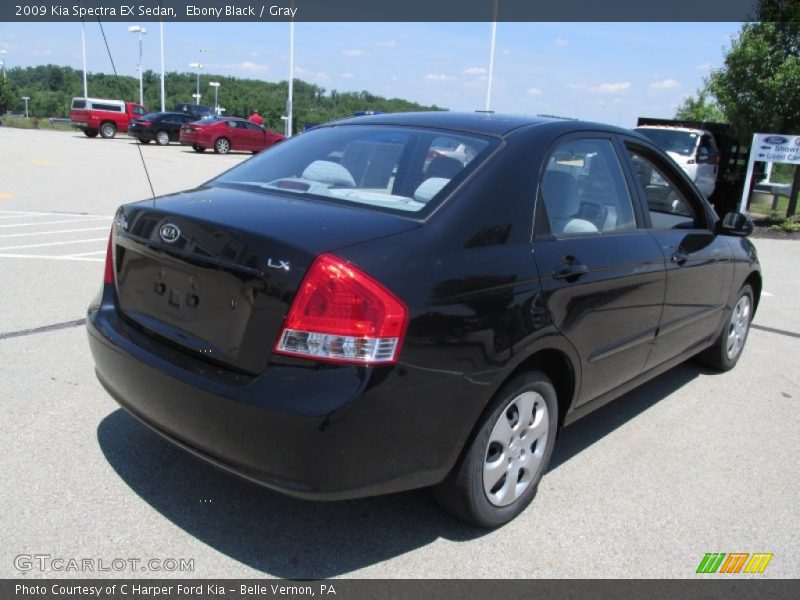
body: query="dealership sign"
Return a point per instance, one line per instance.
(770, 148)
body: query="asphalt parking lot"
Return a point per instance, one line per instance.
(692, 462)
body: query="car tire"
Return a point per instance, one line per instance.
(198, 148)
(90, 133)
(108, 130)
(728, 347)
(162, 138)
(222, 146)
(515, 439)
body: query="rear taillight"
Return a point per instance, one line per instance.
(108, 278)
(145, 123)
(341, 314)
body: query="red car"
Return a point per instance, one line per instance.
(224, 134)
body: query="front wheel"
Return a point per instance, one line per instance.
(728, 347)
(222, 146)
(498, 475)
(108, 130)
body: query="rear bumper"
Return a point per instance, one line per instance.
(141, 134)
(314, 432)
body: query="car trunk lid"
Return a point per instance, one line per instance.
(214, 270)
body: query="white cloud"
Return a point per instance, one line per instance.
(387, 44)
(533, 92)
(667, 84)
(603, 88)
(317, 76)
(42, 52)
(474, 71)
(394, 78)
(561, 42)
(438, 78)
(347, 75)
(247, 66)
(354, 52)
(704, 67)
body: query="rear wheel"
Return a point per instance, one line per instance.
(498, 475)
(728, 347)
(90, 132)
(162, 138)
(108, 130)
(222, 146)
(198, 148)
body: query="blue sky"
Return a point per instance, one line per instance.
(608, 72)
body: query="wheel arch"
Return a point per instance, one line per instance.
(755, 282)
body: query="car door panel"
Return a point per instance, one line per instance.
(699, 265)
(603, 279)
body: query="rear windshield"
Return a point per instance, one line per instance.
(153, 116)
(388, 168)
(671, 140)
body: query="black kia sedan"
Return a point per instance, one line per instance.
(163, 127)
(355, 312)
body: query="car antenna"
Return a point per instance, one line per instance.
(122, 93)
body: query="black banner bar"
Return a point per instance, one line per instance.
(711, 588)
(380, 10)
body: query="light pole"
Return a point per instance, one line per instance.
(163, 95)
(3, 61)
(215, 85)
(490, 74)
(198, 66)
(83, 52)
(290, 96)
(26, 98)
(142, 32)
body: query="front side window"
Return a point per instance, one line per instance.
(386, 167)
(669, 207)
(584, 191)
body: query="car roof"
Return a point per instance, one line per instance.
(486, 123)
(672, 128)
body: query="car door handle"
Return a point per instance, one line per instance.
(570, 271)
(679, 257)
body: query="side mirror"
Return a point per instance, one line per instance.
(736, 223)
(703, 155)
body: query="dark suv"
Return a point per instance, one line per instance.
(353, 312)
(199, 111)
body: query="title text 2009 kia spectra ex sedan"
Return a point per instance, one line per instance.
(355, 312)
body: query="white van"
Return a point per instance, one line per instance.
(694, 150)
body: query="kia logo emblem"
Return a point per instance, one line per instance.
(169, 232)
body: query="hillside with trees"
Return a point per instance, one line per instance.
(51, 89)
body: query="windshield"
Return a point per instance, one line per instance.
(385, 167)
(671, 140)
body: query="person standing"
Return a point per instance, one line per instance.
(256, 118)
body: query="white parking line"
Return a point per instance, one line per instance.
(22, 213)
(9, 235)
(86, 253)
(83, 220)
(67, 257)
(102, 239)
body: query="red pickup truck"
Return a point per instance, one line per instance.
(106, 117)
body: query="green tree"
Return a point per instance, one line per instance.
(7, 95)
(758, 88)
(700, 108)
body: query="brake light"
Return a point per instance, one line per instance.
(108, 278)
(341, 314)
(145, 123)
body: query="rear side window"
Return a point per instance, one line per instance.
(78, 104)
(668, 206)
(583, 189)
(108, 107)
(385, 167)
